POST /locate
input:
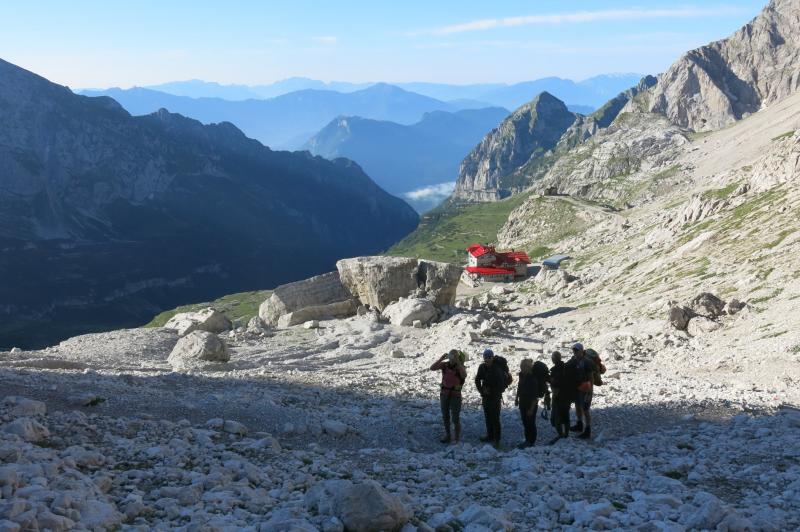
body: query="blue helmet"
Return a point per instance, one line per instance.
(488, 353)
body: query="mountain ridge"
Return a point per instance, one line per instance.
(113, 216)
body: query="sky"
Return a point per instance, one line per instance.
(107, 43)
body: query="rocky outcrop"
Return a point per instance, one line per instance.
(780, 165)
(701, 315)
(715, 85)
(491, 170)
(406, 311)
(320, 297)
(379, 281)
(208, 319)
(361, 507)
(197, 349)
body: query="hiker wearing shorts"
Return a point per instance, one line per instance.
(454, 374)
(585, 391)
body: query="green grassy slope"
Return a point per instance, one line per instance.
(444, 233)
(241, 307)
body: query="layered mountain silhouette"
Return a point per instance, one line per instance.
(289, 120)
(581, 96)
(106, 218)
(403, 159)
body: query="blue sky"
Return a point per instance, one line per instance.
(108, 43)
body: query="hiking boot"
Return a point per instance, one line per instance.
(586, 434)
(577, 427)
(496, 444)
(445, 438)
(523, 445)
(554, 440)
(485, 439)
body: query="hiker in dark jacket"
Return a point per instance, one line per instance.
(454, 374)
(527, 398)
(563, 389)
(491, 381)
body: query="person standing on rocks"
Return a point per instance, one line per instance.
(527, 399)
(454, 374)
(585, 370)
(492, 379)
(563, 393)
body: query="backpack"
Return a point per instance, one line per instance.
(542, 375)
(599, 368)
(504, 364)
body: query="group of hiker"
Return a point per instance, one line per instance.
(559, 386)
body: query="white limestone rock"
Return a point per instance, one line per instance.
(197, 349)
(208, 319)
(28, 429)
(406, 311)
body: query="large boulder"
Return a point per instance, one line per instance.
(380, 281)
(700, 325)
(208, 319)
(407, 311)
(197, 349)
(439, 281)
(679, 317)
(320, 297)
(708, 305)
(363, 507)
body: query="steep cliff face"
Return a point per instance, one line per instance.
(106, 218)
(488, 172)
(714, 85)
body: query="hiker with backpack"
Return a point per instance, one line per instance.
(531, 386)
(454, 374)
(492, 379)
(564, 389)
(588, 367)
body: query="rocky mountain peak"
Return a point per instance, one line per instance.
(714, 85)
(529, 132)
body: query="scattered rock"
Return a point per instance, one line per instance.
(679, 317)
(28, 429)
(198, 348)
(208, 319)
(312, 324)
(22, 407)
(334, 428)
(700, 325)
(708, 305)
(407, 311)
(317, 298)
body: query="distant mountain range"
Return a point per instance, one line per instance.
(418, 162)
(581, 96)
(289, 120)
(106, 219)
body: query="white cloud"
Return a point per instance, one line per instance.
(433, 192)
(328, 40)
(577, 17)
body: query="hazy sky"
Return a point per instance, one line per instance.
(112, 43)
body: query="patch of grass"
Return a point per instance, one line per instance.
(539, 251)
(241, 307)
(619, 505)
(784, 136)
(677, 475)
(795, 349)
(686, 446)
(721, 193)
